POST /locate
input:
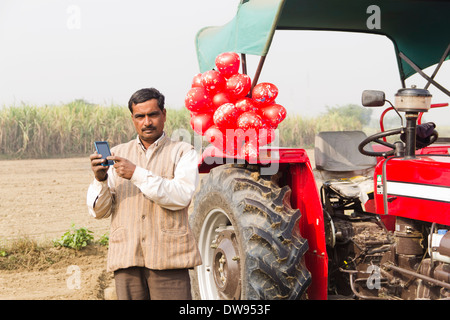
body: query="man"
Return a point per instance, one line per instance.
(147, 193)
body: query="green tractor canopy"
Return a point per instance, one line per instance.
(419, 29)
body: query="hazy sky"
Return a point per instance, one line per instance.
(55, 51)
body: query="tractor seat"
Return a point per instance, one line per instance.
(341, 166)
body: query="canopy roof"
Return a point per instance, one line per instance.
(420, 29)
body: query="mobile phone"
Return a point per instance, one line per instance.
(102, 148)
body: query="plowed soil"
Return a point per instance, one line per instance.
(40, 200)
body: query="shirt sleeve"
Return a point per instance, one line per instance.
(172, 194)
(99, 197)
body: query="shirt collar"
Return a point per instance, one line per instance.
(154, 144)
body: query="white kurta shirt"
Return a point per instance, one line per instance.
(172, 194)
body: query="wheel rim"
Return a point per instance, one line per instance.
(219, 275)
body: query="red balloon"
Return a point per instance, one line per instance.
(239, 85)
(213, 81)
(228, 63)
(249, 120)
(233, 141)
(215, 136)
(220, 98)
(273, 114)
(197, 81)
(245, 104)
(225, 116)
(264, 93)
(201, 122)
(197, 100)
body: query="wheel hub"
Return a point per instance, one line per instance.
(226, 268)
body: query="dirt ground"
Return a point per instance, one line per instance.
(40, 200)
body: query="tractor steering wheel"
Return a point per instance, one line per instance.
(378, 139)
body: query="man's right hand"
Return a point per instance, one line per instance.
(100, 172)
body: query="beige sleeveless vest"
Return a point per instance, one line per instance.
(143, 233)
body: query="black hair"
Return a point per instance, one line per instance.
(146, 94)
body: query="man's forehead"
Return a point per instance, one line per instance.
(148, 106)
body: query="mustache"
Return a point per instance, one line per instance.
(149, 127)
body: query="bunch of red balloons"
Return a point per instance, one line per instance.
(227, 114)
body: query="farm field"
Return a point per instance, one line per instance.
(40, 200)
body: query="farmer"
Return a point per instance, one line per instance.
(147, 193)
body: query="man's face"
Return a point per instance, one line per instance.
(148, 119)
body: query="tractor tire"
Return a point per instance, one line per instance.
(248, 236)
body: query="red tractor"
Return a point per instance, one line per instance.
(376, 226)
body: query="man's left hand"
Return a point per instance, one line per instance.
(124, 167)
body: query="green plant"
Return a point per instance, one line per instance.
(104, 240)
(75, 238)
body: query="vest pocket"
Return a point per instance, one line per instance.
(174, 222)
(118, 235)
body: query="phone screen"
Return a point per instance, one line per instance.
(103, 149)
